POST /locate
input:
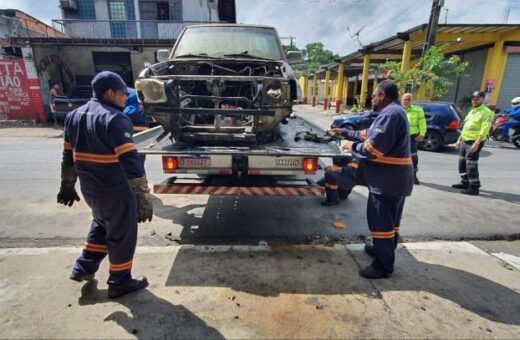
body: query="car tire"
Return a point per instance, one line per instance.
(349, 127)
(432, 142)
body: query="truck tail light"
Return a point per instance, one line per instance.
(310, 165)
(454, 125)
(170, 164)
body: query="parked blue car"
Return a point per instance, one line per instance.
(442, 121)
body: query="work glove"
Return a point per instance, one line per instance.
(67, 194)
(144, 200)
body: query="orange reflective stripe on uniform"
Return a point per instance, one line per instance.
(383, 234)
(95, 157)
(124, 148)
(370, 148)
(331, 186)
(140, 128)
(67, 146)
(97, 248)
(120, 266)
(353, 165)
(392, 160)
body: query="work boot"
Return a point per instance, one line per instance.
(329, 203)
(370, 272)
(470, 191)
(460, 185)
(369, 249)
(79, 277)
(115, 291)
(416, 180)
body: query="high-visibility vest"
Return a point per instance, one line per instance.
(477, 123)
(416, 120)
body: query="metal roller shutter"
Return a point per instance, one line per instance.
(470, 81)
(510, 82)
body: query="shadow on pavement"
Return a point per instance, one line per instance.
(150, 316)
(292, 270)
(248, 220)
(504, 196)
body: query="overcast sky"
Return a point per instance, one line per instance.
(327, 20)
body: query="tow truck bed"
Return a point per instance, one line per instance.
(285, 145)
(259, 177)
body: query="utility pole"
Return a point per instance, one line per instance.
(446, 16)
(431, 31)
(290, 39)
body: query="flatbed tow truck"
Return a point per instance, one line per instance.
(277, 168)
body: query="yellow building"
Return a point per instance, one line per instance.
(492, 52)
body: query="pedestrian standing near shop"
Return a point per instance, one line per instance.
(387, 170)
(417, 123)
(54, 93)
(99, 149)
(475, 131)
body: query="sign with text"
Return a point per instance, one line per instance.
(20, 96)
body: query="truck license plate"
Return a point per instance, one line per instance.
(195, 162)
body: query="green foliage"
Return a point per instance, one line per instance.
(317, 55)
(433, 68)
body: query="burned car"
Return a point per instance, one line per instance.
(221, 83)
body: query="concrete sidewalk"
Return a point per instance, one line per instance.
(439, 290)
(322, 118)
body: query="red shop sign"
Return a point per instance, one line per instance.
(20, 96)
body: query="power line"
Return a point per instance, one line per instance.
(400, 13)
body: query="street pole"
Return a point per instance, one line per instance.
(431, 31)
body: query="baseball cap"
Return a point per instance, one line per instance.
(106, 80)
(478, 94)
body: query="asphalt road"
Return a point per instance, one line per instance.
(29, 180)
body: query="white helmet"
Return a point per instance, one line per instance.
(515, 102)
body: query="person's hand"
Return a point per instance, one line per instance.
(328, 168)
(419, 138)
(474, 147)
(348, 145)
(67, 195)
(457, 144)
(335, 132)
(144, 207)
(144, 200)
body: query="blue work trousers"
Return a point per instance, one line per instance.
(384, 217)
(113, 231)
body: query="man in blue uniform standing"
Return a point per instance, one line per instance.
(98, 148)
(386, 166)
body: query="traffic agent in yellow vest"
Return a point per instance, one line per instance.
(477, 124)
(416, 120)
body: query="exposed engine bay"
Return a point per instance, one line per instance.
(214, 100)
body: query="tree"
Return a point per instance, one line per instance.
(317, 55)
(433, 69)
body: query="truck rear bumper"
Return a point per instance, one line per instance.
(281, 187)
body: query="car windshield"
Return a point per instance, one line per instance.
(229, 42)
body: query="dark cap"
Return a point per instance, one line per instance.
(106, 80)
(478, 94)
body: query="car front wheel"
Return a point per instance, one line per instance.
(432, 141)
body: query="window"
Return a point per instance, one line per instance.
(163, 10)
(86, 9)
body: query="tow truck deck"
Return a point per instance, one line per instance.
(277, 168)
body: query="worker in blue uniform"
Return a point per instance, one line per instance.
(338, 181)
(135, 112)
(99, 150)
(384, 153)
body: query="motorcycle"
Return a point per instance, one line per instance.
(513, 133)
